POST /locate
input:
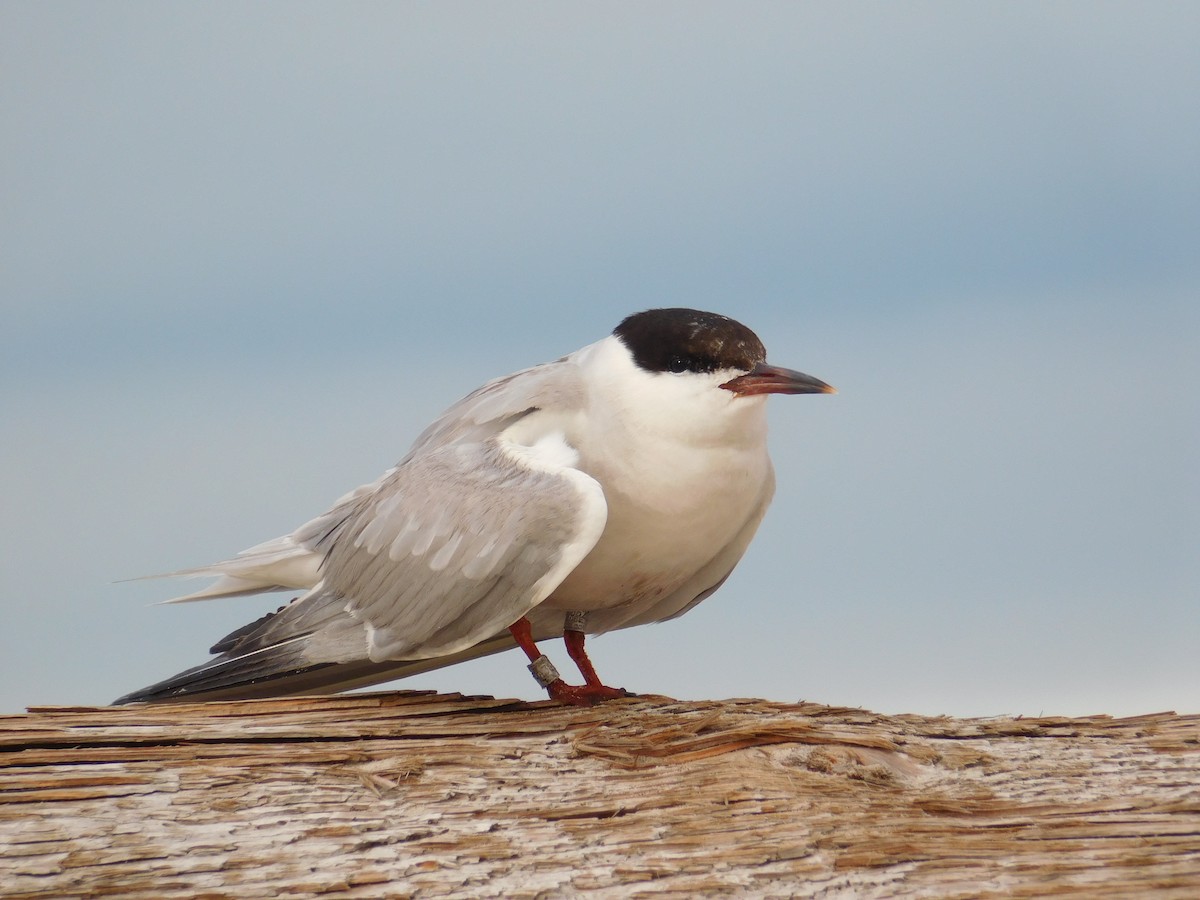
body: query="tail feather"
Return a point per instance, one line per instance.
(283, 563)
(280, 564)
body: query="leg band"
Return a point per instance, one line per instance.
(576, 621)
(543, 671)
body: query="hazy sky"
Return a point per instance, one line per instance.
(247, 251)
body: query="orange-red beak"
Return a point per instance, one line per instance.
(765, 379)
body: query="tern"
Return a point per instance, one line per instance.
(616, 486)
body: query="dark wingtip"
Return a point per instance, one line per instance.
(270, 671)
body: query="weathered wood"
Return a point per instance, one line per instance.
(410, 794)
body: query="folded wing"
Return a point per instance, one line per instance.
(466, 535)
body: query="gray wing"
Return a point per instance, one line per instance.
(457, 543)
(469, 532)
(447, 550)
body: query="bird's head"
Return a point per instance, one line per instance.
(684, 342)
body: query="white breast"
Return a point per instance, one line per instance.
(683, 465)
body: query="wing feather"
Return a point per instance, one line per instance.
(469, 532)
(466, 513)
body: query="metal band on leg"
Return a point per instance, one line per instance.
(576, 620)
(543, 671)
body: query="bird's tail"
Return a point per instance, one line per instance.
(276, 565)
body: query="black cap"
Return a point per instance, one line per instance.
(688, 340)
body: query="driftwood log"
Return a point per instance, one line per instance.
(412, 794)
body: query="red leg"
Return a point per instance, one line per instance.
(574, 643)
(522, 631)
(547, 676)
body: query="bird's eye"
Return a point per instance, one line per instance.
(677, 364)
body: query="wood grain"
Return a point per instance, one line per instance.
(425, 795)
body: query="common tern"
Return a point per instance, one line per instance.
(616, 486)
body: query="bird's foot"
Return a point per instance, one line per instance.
(545, 674)
(583, 694)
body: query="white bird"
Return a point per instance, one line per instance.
(614, 487)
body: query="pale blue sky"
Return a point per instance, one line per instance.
(248, 251)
